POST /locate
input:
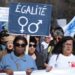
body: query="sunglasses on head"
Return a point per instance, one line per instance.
(18, 45)
(30, 45)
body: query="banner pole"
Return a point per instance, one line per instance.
(27, 47)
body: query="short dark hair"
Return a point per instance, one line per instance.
(32, 39)
(19, 37)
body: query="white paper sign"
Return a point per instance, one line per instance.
(62, 22)
(4, 13)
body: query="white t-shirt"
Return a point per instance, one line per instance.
(45, 45)
(61, 61)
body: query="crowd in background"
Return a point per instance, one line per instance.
(44, 52)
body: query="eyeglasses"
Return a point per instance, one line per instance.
(30, 45)
(18, 45)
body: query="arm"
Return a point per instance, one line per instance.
(8, 71)
(28, 71)
(52, 62)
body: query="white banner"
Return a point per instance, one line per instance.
(55, 72)
(43, 72)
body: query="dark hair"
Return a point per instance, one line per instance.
(58, 48)
(60, 29)
(32, 39)
(37, 37)
(19, 37)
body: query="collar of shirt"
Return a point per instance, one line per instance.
(15, 58)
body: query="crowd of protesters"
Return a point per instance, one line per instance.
(44, 52)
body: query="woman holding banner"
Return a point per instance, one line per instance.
(64, 57)
(18, 60)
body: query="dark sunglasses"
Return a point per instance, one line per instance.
(18, 45)
(30, 45)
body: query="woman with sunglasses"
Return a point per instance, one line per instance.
(35, 54)
(18, 60)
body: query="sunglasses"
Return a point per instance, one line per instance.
(20, 45)
(30, 45)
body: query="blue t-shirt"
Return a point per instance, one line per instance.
(11, 61)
